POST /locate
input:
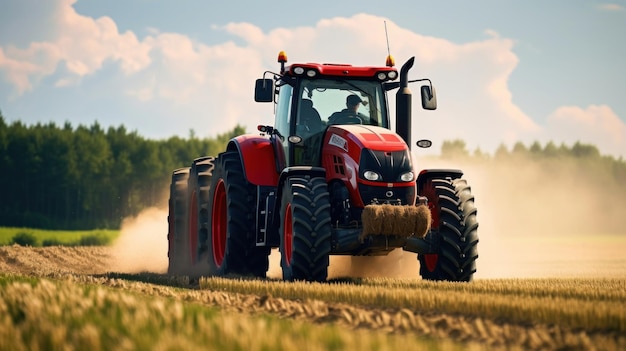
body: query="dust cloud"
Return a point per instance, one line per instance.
(142, 244)
(397, 264)
(274, 271)
(548, 220)
(536, 221)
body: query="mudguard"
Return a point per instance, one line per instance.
(301, 171)
(284, 175)
(428, 174)
(425, 188)
(259, 160)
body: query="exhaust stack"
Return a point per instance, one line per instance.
(403, 104)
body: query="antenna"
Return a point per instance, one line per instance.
(387, 37)
(390, 61)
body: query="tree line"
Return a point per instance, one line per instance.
(548, 188)
(61, 177)
(584, 160)
(580, 163)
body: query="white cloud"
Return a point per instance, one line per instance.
(597, 124)
(251, 33)
(471, 79)
(23, 68)
(611, 7)
(83, 44)
(66, 82)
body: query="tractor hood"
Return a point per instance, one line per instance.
(373, 162)
(358, 137)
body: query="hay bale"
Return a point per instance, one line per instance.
(404, 221)
(371, 220)
(421, 220)
(388, 219)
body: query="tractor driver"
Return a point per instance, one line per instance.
(348, 115)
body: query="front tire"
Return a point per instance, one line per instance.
(231, 244)
(305, 229)
(454, 232)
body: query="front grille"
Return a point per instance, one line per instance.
(390, 165)
(381, 195)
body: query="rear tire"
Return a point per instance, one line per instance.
(231, 244)
(305, 229)
(455, 233)
(198, 202)
(177, 221)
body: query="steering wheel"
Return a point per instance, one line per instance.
(348, 119)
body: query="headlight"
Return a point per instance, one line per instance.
(311, 73)
(371, 175)
(393, 75)
(295, 139)
(298, 70)
(407, 177)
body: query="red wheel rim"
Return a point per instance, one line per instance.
(218, 223)
(193, 228)
(431, 261)
(433, 202)
(288, 235)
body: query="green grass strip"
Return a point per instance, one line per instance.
(43, 237)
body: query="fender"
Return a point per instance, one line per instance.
(258, 159)
(428, 174)
(298, 170)
(284, 175)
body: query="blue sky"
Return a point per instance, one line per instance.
(505, 71)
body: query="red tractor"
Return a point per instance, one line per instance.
(328, 178)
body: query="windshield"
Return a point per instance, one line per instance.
(331, 96)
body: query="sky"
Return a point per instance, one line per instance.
(504, 71)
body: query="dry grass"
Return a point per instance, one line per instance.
(345, 314)
(589, 304)
(48, 315)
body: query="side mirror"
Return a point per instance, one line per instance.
(424, 143)
(264, 90)
(429, 98)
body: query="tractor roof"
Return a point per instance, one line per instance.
(337, 70)
(319, 70)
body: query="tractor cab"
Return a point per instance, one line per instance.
(311, 97)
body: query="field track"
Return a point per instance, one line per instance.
(585, 314)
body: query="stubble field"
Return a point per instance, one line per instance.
(70, 298)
